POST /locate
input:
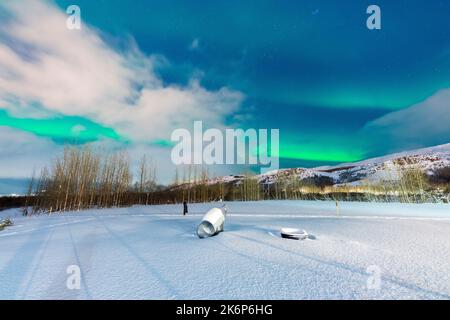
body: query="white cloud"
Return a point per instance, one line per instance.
(424, 124)
(75, 72)
(21, 153)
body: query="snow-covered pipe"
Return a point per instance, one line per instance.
(212, 222)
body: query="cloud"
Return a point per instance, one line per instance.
(21, 152)
(421, 125)
(46, 69)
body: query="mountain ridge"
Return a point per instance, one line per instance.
(430, 160)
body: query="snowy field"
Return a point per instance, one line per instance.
(370, 251)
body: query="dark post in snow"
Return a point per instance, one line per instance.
(185, 208)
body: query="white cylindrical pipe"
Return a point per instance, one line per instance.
(212, 222)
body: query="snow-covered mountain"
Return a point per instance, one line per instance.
(431, 160)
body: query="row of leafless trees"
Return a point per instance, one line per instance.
(82, 178)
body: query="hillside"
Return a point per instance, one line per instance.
(434, 161)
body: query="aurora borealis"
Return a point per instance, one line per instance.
(72, 129)
(337, 91)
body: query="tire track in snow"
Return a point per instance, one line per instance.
(257, 259)
(390, 278)
(50, 226)
(153, 271)
(61, 279)
(19, 264)
(37, 265)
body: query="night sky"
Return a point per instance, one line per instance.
(337, 91)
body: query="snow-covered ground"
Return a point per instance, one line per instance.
(152, 253)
